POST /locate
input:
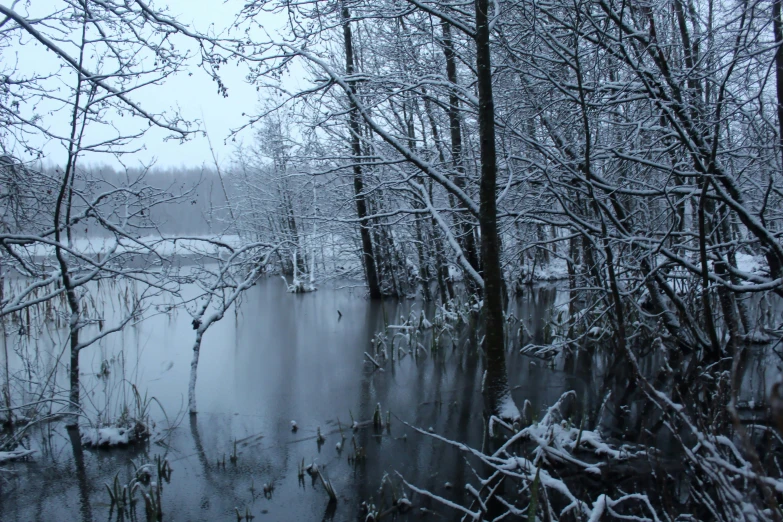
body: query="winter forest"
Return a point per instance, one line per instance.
(443, 260)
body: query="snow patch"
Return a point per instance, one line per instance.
(555, 270)
(106, 437)
(109, 436)
(508, 409)
(748, 263)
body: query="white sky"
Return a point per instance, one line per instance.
(196, 95)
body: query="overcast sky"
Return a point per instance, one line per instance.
(196, 96)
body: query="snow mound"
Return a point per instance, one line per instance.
(109, 436)
(508, 409)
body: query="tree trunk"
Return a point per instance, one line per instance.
(465, 231)
(85, 485)
(194, 369)
(358, 182)
(6, 361)
(496, 390)
(444, 280)
(777, 26)
(75, 309)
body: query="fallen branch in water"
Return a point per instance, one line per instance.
(6, 456)
(542, 489)
(378, 366)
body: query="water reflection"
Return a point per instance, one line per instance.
(287, 357)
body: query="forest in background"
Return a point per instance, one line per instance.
(199, 209)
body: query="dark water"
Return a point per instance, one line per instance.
(283, 357)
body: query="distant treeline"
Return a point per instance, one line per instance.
(189, 200)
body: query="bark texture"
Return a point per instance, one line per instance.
(358, 182)
(496, 389)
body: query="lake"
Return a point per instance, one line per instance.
(283, 357)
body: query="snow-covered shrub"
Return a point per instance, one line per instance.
(538, 483)
(132, 426)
